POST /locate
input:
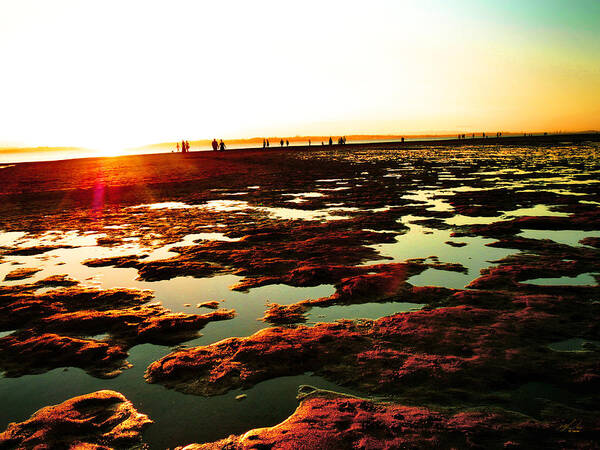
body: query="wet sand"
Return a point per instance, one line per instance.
(463, 267)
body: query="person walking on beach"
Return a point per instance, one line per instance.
(222, 145)
(215, 144)
(330, 141)
(264, 144)
(287, 143)
(281, 142)
(267, 143)
(309, 142)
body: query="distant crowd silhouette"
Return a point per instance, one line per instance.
(483, 135)
(184, 145)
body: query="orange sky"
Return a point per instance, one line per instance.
(117, 74)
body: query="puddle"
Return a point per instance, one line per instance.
(422, 242)
(164, 205)
(537, 210)
(574, 345)
(73, 238)
(459, 220)
(307, 195)
(359, 311)
(100, 337)
(584, 279)
(443, 278)
(568, 237)
(433, 204)
(344, 188)
(299, 214)
(267, 403)
(8, 239)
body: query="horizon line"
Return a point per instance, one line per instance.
(295, 138)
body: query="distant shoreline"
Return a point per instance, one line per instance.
(441, 142)
(275, 146)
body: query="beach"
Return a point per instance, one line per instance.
(408, 294)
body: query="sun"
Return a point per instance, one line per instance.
(107, 150)
(112, 151)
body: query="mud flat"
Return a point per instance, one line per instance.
(443, 286)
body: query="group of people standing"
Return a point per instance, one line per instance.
(483, 135)
(185, 146)
(341, 141)
(281, 142)
(216, 146)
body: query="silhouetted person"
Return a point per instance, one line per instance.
(281, 142)
(215, 144)
(264, 144)
(344, 140)
(309, 142)
(402, 139)
(473, 137)
(222, 145)
(330, 141)
(287, 143)
(267, 142)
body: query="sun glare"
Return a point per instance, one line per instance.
(110, 150)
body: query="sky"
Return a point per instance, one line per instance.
(113, 74)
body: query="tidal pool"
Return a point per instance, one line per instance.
(179, 419)
(568, 237)
(359, 311)
(584, 279)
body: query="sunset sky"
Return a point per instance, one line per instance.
(109, 74)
